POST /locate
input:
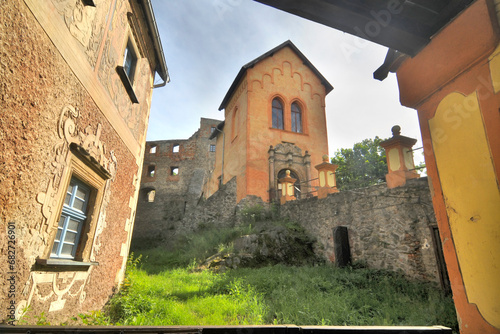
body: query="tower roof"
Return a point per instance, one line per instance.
(269, 53)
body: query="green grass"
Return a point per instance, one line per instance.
(162, 289)
(181, 297)
(322, 295)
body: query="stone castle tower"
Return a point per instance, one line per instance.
(274, 121)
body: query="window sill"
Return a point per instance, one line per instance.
(127, 83)
(289, 131)
(64, 263)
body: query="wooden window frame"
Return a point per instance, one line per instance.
(128, 78)
(280, 101)
(293, 118)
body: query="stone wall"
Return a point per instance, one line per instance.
(174, 195)
(388, 228)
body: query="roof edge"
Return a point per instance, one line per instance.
(161, 67)
(269, 53)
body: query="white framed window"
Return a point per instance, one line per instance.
(212, 148)
(79, 201)
(71, 221)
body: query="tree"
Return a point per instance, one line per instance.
(363, 165)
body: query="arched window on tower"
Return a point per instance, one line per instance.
(277, 114)
(296, 118)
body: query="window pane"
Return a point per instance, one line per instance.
(67, 199)
(58, 235)
(67, 250)
(61, 221)
(73, 225)
(70, 188)
(81, 193)
(71, 220)
(277, 114)
(70, 237)
(78, 204)
(296, 118)
(54, 248)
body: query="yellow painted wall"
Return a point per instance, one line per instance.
(454, 84)
(473, 206)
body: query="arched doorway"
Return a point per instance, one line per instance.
(282, 174)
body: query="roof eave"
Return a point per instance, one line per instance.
(161, 67)
(242, 72)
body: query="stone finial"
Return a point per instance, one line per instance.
(396, 131)
(325, 158)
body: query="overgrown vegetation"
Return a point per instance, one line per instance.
(322, 295)
(189, 248)
(166, 288)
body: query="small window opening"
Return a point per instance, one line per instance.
(175, 148)
(152, 149)
(151, 196)
(174, 171)
(212, 148)
(212, 129)
(151, 171)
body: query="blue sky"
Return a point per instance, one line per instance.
(206, 42)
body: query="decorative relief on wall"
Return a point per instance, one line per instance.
(68, 133)
(113, 56)
(53, 285)
(101, 224)
(286, 69)
(45, 285)
(85, 23)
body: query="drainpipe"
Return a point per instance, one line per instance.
(161, 68)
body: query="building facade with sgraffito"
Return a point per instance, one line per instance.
(77, 79)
